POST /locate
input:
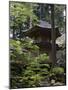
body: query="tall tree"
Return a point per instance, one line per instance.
(53, 35)
(20, 13)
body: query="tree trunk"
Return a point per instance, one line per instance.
(53, 36)
(20, 31)
(13, 32)
(30, 18)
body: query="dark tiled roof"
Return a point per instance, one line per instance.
(44, 24)
(44, 28)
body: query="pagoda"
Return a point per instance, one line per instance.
(41, 34)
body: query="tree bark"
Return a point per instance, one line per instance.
(53, 35)
(20, 31)
(30, 18)
(13, 32)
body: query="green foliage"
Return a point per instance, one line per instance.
(32, 81)
(16, 46)
(59, 15)
(45, 65)
(22, 50)
(20, 14)
(58, 70)
(34, 68)
(42, 58)
(27, 43)
(29, 68)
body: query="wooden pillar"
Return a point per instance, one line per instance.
(53, 35)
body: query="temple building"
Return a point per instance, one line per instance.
(41, 34)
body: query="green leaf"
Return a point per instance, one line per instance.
(58, 70)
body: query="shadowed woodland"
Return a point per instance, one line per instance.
(37, 44)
